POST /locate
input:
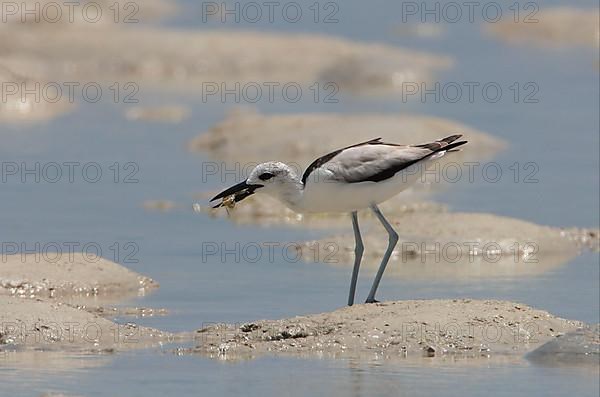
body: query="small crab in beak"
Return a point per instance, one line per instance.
(234, 194)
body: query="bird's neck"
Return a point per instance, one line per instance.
(291, 194)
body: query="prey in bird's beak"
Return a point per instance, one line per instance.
(235, 194)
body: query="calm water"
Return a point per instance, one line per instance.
(184, 375)
(559, 134)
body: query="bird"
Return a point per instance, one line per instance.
(347, 180)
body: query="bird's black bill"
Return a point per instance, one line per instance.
(239, 192)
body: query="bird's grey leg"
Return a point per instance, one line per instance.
(358, 252)
(393, 239)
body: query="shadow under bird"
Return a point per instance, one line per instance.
(346, 180)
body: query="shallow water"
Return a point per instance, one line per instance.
(185, 375)
(559, 134)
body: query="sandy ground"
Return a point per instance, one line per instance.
(147, 57)
(60, 304)
(403, 329)
(554, 27)
(166, 59)
(413, 329)
(247, 136)
(163, 114)
(65, 275)
(452, 246)
(34, 323)
(160, 205)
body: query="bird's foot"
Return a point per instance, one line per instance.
(371, 301)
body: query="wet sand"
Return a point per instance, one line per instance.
(147, 57)
(452, 246)
(404, 329)
(35, 324)
(246, 136)
(61, 304)
(163, 114)
(469, 329)
(172, 60)
(553, 27)
(46, 302)
(434, 242)
(66, 275)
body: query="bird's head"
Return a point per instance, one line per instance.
(272, 177)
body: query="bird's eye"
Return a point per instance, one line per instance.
(265, 176)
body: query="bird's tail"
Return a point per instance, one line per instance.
(450, 139)
(447, 144)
